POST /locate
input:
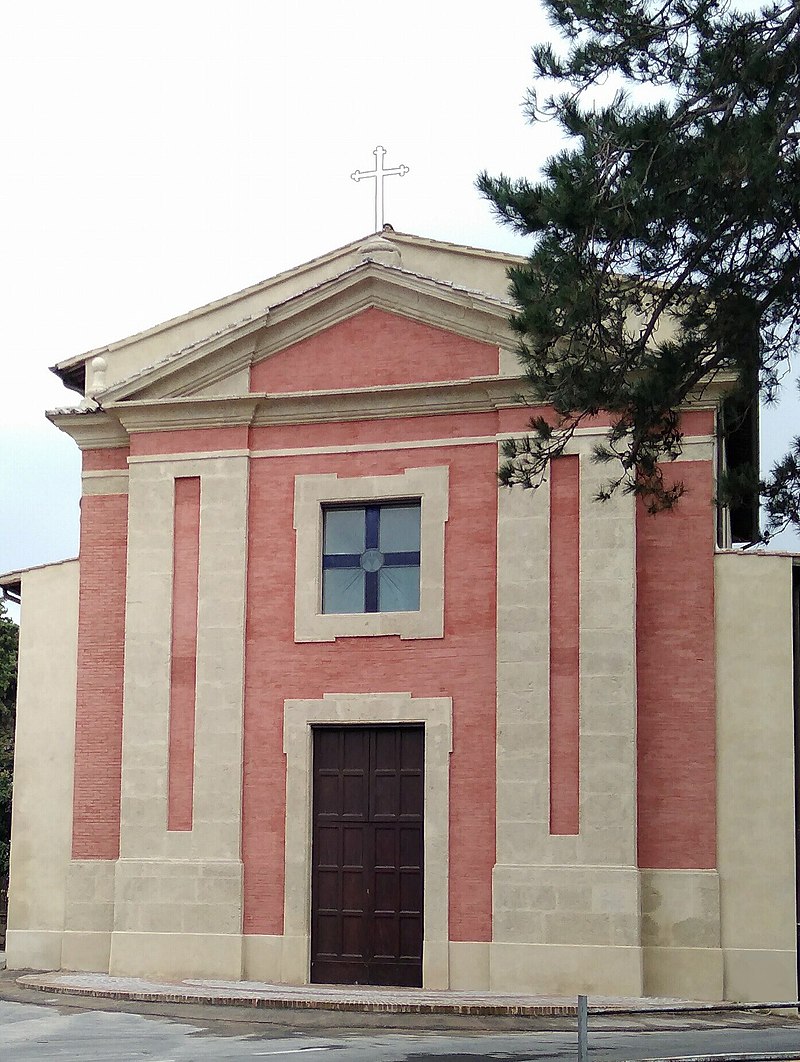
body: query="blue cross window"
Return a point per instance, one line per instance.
(370, 558)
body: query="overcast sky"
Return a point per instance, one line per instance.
(160, 155)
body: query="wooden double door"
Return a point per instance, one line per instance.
(367, 855)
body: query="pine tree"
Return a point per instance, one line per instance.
(667, 233)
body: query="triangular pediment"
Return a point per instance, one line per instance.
(371, 326)
(470, 268)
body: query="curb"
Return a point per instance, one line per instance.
(272, 997)
(774, 1056)
(514, 1010)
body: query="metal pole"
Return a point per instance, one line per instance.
(583, 1029)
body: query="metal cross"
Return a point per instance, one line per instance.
(379, 173)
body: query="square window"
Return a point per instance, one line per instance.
(371, 558)
(370, 555)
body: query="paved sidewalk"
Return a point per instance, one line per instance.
(340, 998)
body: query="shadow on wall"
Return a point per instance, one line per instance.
(3, 911)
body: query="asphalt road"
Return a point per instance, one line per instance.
(59, 1031)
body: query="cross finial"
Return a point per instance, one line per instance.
(379, 173)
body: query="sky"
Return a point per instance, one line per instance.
(161, 155)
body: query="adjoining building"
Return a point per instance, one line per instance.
(318, 701)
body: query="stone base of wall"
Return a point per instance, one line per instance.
(174, 919)
(535, 969)
(566, 969)
(89, 898)
(33, 949)
(684, 973)
(756, 976)
(680, 909)
(436, 964)
(190, 897)
(681, 934)
(262, 958)
(83, 950)
(552, 905)
(469, 966)
(176, 956)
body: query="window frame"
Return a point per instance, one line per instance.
(373, 521)
(316, 492)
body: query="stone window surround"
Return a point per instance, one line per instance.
(311, 493)
(367, 709)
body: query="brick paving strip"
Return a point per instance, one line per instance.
(345, 998)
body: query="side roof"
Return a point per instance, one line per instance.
(11, 582)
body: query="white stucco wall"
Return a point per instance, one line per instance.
(755, 787)
(41, 831)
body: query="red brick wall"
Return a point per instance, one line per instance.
(676, 725)
(462, 665)
(183, 657)
(368, 432)
(101, 634)
(105, 459)
(565, 596)
(189, 440)
(373, 349)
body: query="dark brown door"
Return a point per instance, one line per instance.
(366, 888)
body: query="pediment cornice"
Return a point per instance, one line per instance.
(209, 363)
(193, 368)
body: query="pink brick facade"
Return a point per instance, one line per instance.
(461, 666)
(565, 618)
(101, 650)
(676, 722)
(183, 653)
(673, 839)
(568, 696)
(373, 349)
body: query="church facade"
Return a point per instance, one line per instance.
(318, 702)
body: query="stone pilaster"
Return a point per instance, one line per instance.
(183, 884)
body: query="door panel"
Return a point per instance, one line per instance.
(367, 846)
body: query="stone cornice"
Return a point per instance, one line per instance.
(92, 430)
(711, 393)
(112, 426)
(406, 400)
(456, 248)
(175, 414)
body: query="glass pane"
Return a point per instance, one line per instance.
(400, 529)
(343, 590)
(344, 531)
(398, 589)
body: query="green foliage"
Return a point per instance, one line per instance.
(9, 641)
(667, 233)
